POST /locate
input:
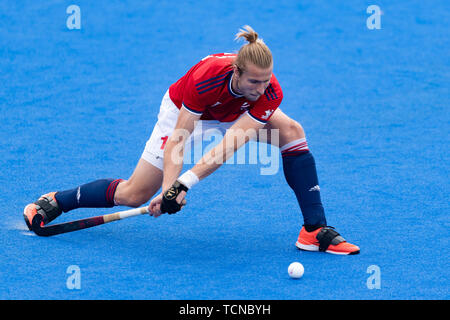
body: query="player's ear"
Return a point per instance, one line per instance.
(237, 71)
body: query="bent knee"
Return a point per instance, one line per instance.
(127, 195)
(292, 131)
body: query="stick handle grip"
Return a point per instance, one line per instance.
(124, 214)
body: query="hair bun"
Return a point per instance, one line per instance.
(248, 34)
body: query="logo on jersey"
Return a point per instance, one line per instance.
(267, 115)
(216, 104)
(245, 106)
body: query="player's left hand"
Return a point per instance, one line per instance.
(154, 207)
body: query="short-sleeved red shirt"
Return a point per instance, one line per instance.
(206, 90)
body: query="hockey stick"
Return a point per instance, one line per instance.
(45, 231)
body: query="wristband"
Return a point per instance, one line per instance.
(189, 179)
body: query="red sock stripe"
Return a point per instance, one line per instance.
(297, 149)
(112, 190)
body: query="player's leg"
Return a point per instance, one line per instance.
(95, 194)
(103, 193)
(289, 129)
(144, 182)
(300, 171)
(299, 167)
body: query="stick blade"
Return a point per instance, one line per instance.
(51, 230)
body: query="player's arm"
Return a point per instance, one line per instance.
(172, 199)
(240, 133)
(173, 163)
(174, 148)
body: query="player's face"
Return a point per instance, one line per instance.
(252, 82)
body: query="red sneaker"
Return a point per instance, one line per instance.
(47, 206)
(325, 239)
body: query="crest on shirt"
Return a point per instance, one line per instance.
(267, 115)
(218, 103)
(245, 106)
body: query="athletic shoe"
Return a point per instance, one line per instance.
(325, 239)
(46, 206)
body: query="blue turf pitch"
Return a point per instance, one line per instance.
(79, 105)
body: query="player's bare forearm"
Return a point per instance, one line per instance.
(238, 135)
(212, 161)
(174, 148)
(173, 163)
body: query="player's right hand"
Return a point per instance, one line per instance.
(173, 199)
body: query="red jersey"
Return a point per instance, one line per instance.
(206, 90)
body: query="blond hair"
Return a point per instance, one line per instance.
(255, 51)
